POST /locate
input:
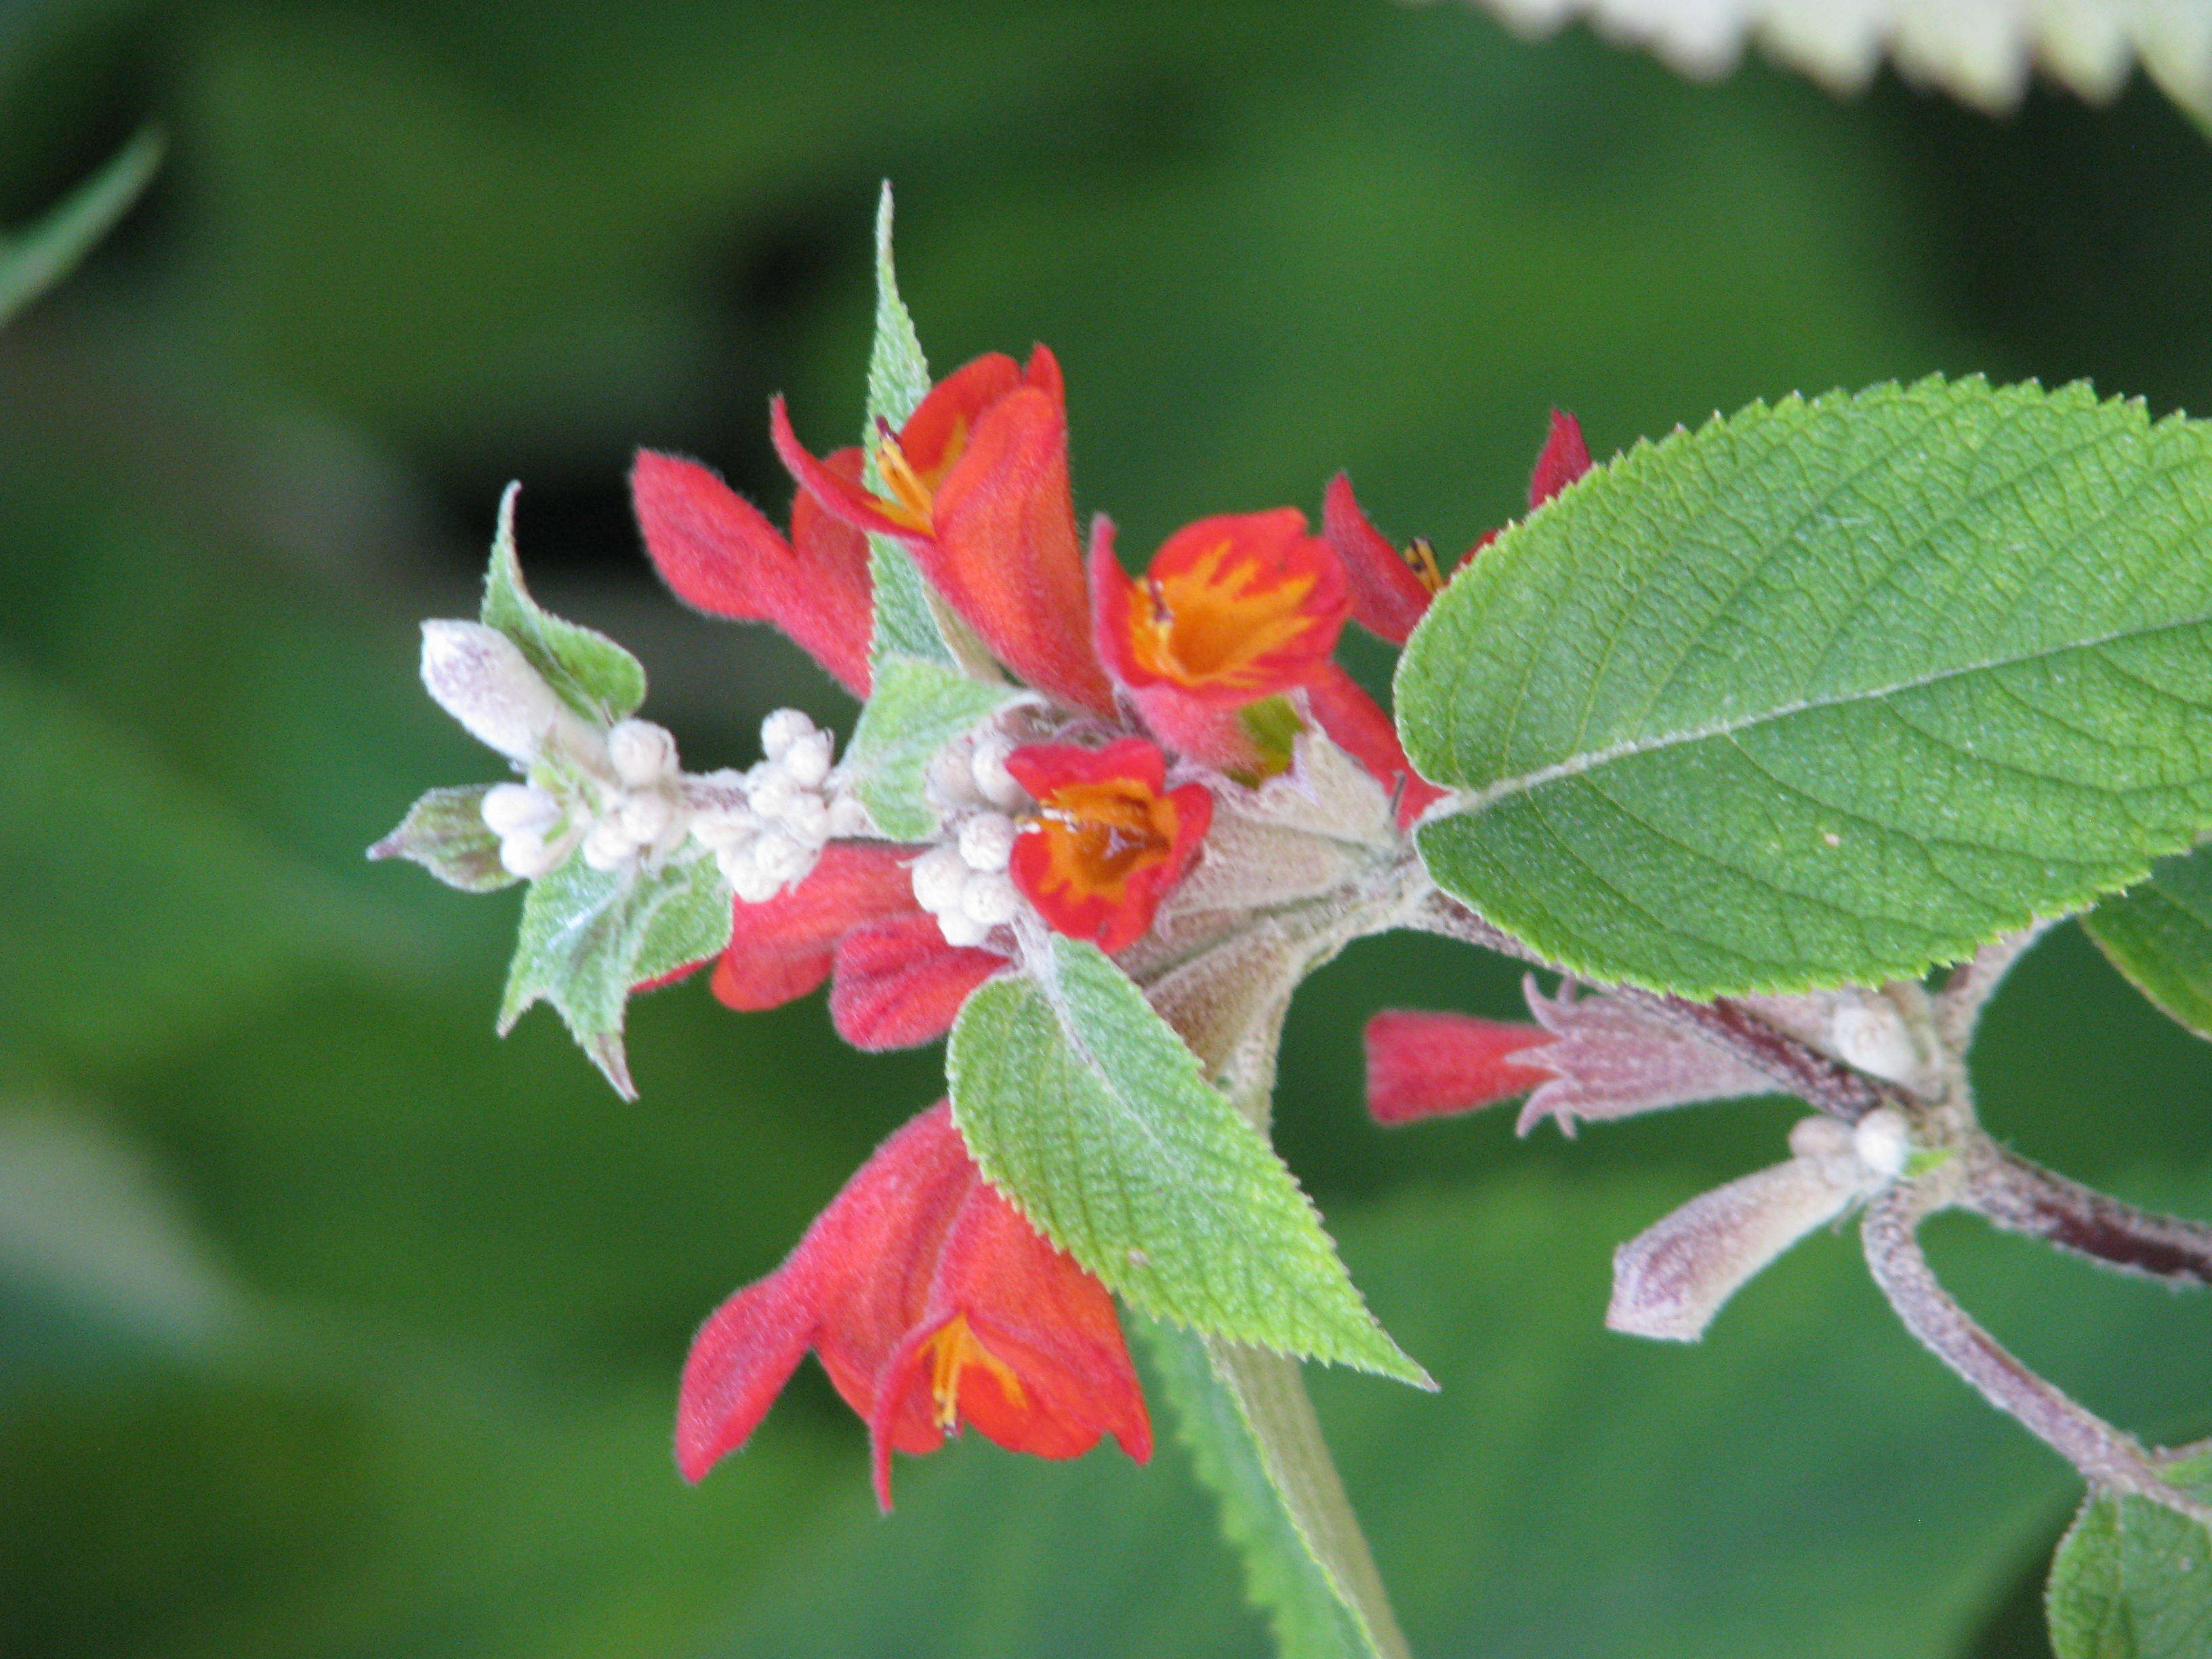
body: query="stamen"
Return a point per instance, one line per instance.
(911, 502)
(952, 1350)
(1421, 554)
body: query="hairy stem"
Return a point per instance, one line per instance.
(2023, 1197)
(2105, 1455)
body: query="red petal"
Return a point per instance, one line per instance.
(946, 417)
(1386, 597)
(738, 1363)
(1431, 1064)
(838, 492)
(719, 553)
(1005, 553)
(1564, 459)
(898, 984)
(1189, 726)
(1355, 723)
(782, 949)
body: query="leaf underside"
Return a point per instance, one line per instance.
(1827, 692)
(913, 709)
(593, 675)
(2132, 1579)
(1080, 1102)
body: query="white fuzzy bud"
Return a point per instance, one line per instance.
(1883, 1142)
(939, 875)
(607, 846)
(646, 817)
(952, 778)
(481, 677)
(960, 929)
(785, 727)
(990, 899)
(780, 854)
(808, 818)
(848, 816)
(1871, 1035)
(774, 792)
(642, 753)
(806, 762)
(723, 827)
(1820, 1137)
(527, 854)
(510, 808)
(750, 882)
(993, 782)
(986, 841)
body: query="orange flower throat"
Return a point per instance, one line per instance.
(1099, 834)
(951, 1350)
(1218, 620)
(913, 498)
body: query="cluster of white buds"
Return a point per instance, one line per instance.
(767, 826)
(963, 881)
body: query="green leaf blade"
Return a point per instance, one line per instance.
(2159, 935)
(1827, 692)
(2132, 1579)
(914, 710)
(591, 674)
(590, 936)
(1079, 1102)
(445, 833)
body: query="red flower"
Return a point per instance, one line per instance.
(896, 982)
(930, 1302)
(718, 553)
(977, 483)
(1108, 840)
(1355, 724)
(1391, 589)
(1434, 1064)
(1233, 609)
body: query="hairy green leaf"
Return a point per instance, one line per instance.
(914, 710)
(590, 936)
(1828, 691)
(2132, 1579)
(1252, 1434)
(1080, 1102)
(34, 260)
(444, 832)
(593, 675)
(2158, 933)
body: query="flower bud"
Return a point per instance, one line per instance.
(781, 729)
(481, 677)
(749, 879)
(607, 846)
(783, 855)
(990, 899)
(512, 807)
(774, 792)
(939, 875)
(986, 841)
(1870, 1033)
(1883, 1144)
(642, 753)
(646, 817)
(960, 928)
(848, 816)
(807, 817)
(993, 782)
(951, 782)
(527, 854)
(806, 762)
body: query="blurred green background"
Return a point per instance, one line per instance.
(331, 1326)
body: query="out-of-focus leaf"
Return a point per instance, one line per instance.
(1085, 1107)
(593, 675)
(445, 833)
(2158, 933)
(1982, 54)
(33, 261)
(589, 937)
(1827, 692)
(132, 908)
(913, 709)
(2132, 1579)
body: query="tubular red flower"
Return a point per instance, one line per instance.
(1423, 1065)
(930, 1302)
(719, 553)
(977, 488)
(890, 989)
(1108, 840)
(1391, 589)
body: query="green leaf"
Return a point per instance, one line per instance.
(1827, 692)
(444, 832)
(2159, 935)
(2132, 1579)
(589, 937)
(913, 709)
(1251, 1432)
(34, 260)
(1080, 1102)
(593, 675)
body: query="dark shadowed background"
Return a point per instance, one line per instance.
(331, 1326)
